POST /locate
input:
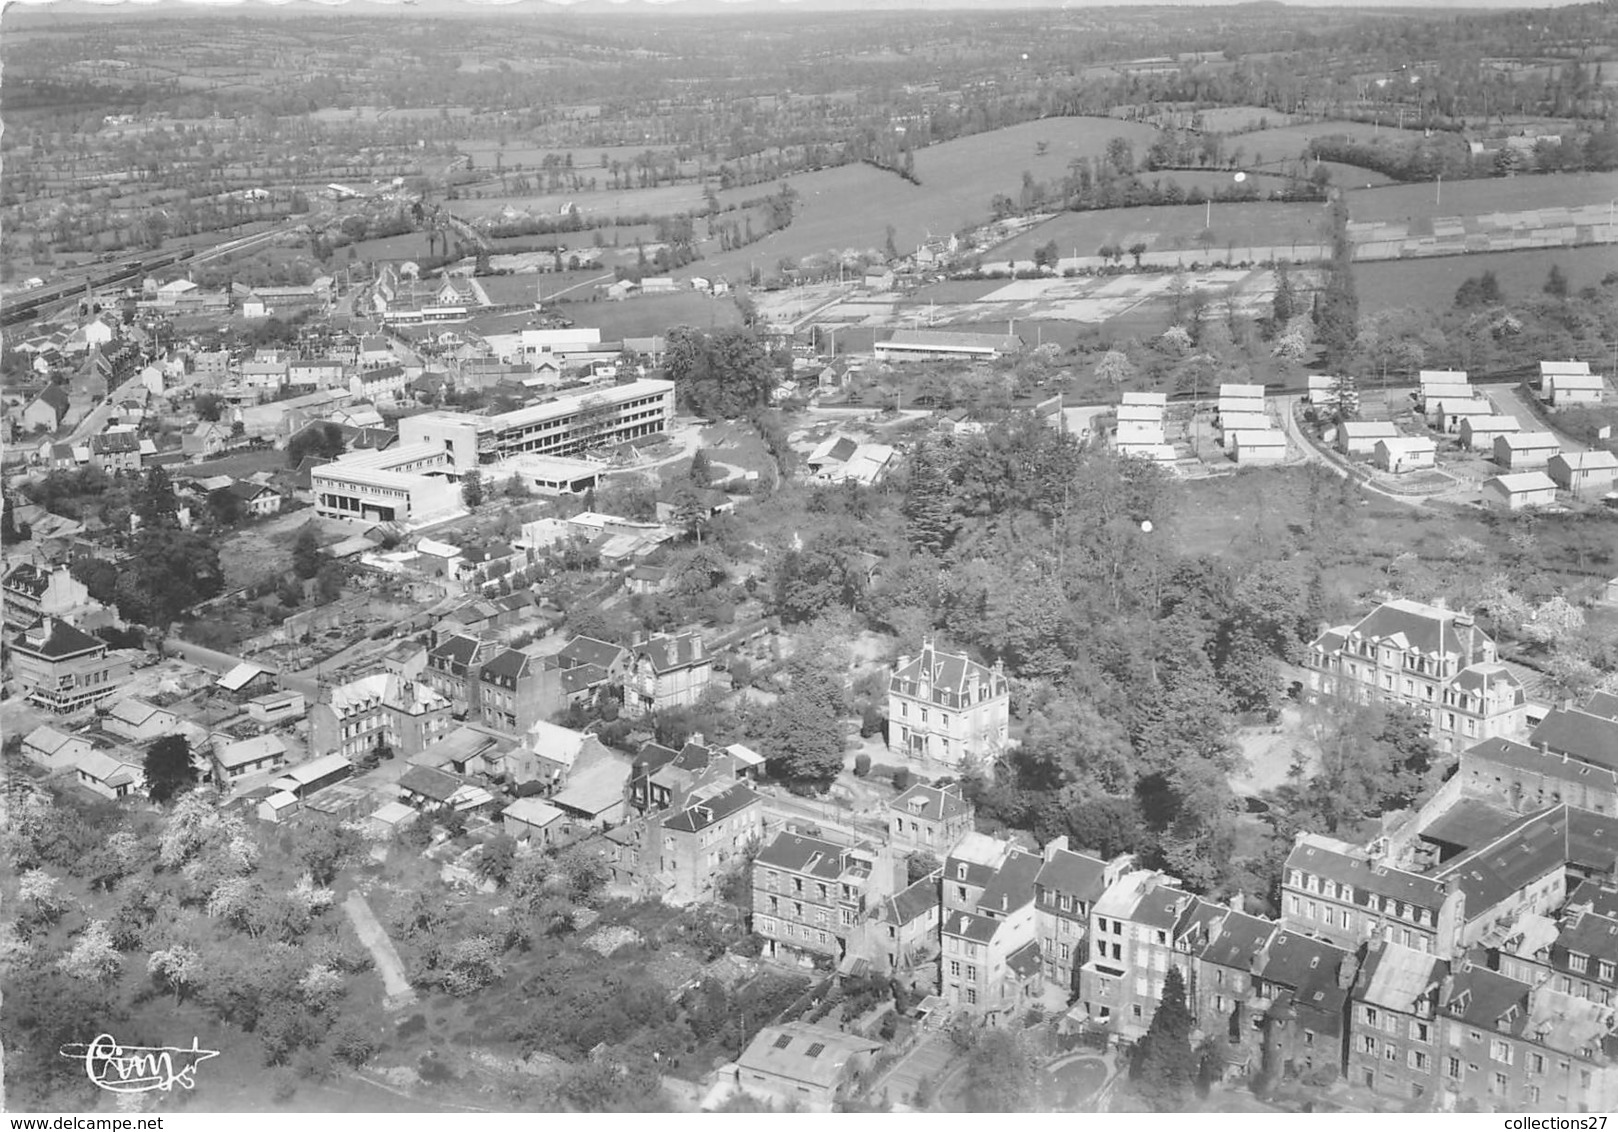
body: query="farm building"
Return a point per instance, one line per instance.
(1478, 434)
(1584, 473)
(1358, 438)
(1230, 405)
(139, 721)
(1159, 400)
(1562, 389)
(108, 776)
(55, 750)
(1405, 454)
(1562, 369)
(1259, 446)
(1519, 450)
(534, 820)
(1451, 413)
(942, 345)
(277, 806)
(1519, 491)
(248, 757)
(1150, 414)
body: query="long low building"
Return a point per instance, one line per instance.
(402, 483)
(567, 426)
(942, 345)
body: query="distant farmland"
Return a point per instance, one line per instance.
(1432, 282)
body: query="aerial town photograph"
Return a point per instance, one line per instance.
(927, 556)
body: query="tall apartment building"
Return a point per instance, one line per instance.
(991, 951)
(809, 895)
(667, 671)
(1394, 1026)
(1426, 657)
(702, 843)
(947, 707)
(33, 592)
(1131, 946)
(1338, 892)
(516, 691)
(452, 670)
(1067, 887)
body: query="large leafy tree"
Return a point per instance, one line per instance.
(169, 570)
(804, 733)
(1164, 1069)
(306, 556)
(929, 505)
(1000, 1073)
(168, 767)
(721, 374)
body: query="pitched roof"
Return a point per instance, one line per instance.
(1594, 460)
(1604, 704)
(701, 815)
(798, 854)
(1238, 940)
(29, 579)
(800, 1051)
(134, 712)
(1397, 977)
(668, 653)
(532, 811)
(105, 768)
(918, 900)
(430, 782)
(946, 672)
(1334, 860)
(243, 674)
(1532, 848)
(55, 639)
(1013, 884)
(931, 803)
(1529, 440)
(1580, 734)
(1468, 823)
(1073, 874)
(1486, 999)
(250, 751)
(1404, 624)
(594, 787)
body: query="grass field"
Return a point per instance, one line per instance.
(665, 200)
(1473, 198)
(1284, 142)
(649, 315)
(1429, 282)
(1171, 228)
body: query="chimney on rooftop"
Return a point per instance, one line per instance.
(1054, 845)
(696, 646)
(1466, 626)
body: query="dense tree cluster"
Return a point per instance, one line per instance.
(721, 374)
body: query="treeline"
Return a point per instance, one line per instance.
(1425, 158)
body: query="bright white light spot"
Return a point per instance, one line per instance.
(1240, 177)
(1146, 526)
(1025, 56)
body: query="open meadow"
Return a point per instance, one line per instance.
(1386, 284)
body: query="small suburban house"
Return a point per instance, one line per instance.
(250, 756)
(257, 499)
(1405, 454)
(535, 821)
(1520, 490)
(668, 672)
(803, 1063)
(1259, 446)
(1519, 451)
(108, 776)
(1478, 434)
(1358, 438)
(139, 721)
(1584, 473)
(1451, 413)
(1564, 389)
(53, 749)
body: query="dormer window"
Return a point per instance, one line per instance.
(960, 871)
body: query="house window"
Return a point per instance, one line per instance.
(1499, 1085)
(971, 973)
(1418, 1060)
(954, 969)
(971, 996)
(1368, 1045)
(1390, 1052)
(1452, 1068)
(1536, 1063)
(1500, 1051)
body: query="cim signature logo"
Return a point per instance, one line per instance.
(137, 1069)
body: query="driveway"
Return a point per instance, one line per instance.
(376, 941)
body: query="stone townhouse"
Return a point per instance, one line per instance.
(991, 965)
(1131, 947)
(1340, 893)
(1065, 890)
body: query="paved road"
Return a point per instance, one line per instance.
(376, 940)
(1510, 401)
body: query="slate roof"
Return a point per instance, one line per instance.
(936, 803)
(105, 768)
(595, 787)
(582, 678)
(1592, 840)
(1160, 907)
(1482, 998)
(250, 751)
(1480, 679)
(1073, 874)
(971, 925)
(56, 640)
(588, 650)
(798, 854)
(1012, 886)
(1570, 731)
(701, 815)
(507, 668)
(1604, 704)
(454, 653)
(28, 579)
(912, 903)
(1024, 962)
(1519, 757)
(1318, 856)
(1307, 966)
(1590, 934)
(108, 442)
(670, 653)
(1533, 847)
(1414, 624)
(1239, 941)
(947, 672)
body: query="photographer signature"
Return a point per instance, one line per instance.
(137, 1069)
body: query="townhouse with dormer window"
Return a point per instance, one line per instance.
(1425, 657)
(1343, 894)
(947, 707)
